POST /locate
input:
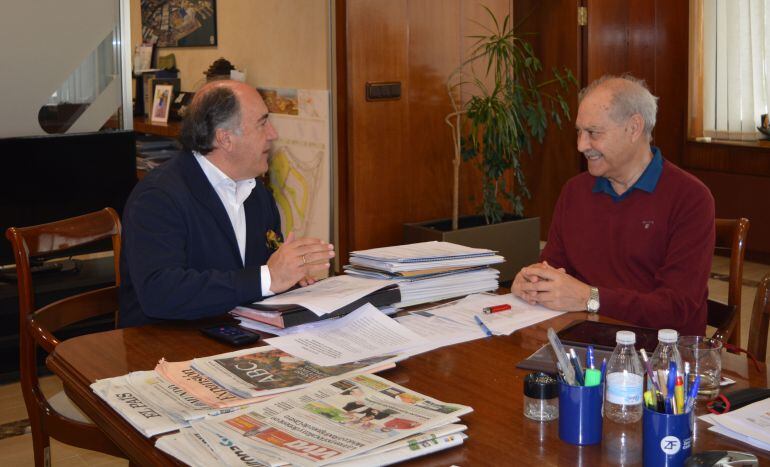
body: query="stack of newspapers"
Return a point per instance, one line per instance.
(429, 271)
(263, 406)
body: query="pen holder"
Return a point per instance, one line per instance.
(667, 439)
(580, 413)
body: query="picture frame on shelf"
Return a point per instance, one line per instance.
(161, 103)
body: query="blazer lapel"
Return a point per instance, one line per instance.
(201, 189)
(256, 241)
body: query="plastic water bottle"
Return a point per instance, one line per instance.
(666, 352)
(623, 387)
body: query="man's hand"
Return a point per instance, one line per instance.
(551, 287)
(297, 260)
(526, 276)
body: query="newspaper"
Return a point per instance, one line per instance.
(189, 447)
(201, 386)
(266, 370)
(151, 404)
(329, 421)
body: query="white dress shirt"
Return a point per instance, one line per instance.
(233, 194)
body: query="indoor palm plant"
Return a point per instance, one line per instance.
(508, 107)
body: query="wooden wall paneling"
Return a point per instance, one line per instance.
(434, 52)
(377, 51)
(399, 152)
(557, 42)
(743, 196)
(343, 197)
(671, 77)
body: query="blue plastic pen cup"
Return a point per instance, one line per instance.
(667, 438)
(580, 413)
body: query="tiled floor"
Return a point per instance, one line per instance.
(17, 450)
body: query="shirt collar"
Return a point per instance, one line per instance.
(218, 179)
(646, 182)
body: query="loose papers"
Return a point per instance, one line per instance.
(364, 333)
(750, 424)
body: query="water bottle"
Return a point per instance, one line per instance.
(666, 352)
(623, 391)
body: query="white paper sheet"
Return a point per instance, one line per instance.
(752, 421)
(363, 333)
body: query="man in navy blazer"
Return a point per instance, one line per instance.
(200, 234)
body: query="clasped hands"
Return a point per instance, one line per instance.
(297, 261)
(541, 283)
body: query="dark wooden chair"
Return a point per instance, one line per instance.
(730, 238)
(760, 320)
(57, 416)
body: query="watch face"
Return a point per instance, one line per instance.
(593, 305)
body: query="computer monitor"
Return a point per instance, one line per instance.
(47, 178)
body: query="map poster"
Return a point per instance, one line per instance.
(299, 160)
(179, 23)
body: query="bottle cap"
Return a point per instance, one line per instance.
(625, 337)
(541, 386)
(669, 336)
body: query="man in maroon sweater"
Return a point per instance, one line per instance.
(633, 237)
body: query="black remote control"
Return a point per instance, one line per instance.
(230, 334)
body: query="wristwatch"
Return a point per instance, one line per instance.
(592, 305)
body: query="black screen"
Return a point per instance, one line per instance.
(47, 178)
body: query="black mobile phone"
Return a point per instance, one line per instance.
(230, 334)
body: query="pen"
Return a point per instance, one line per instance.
(670, 386)
(482, 326)
(496, 309)
(692, 394)
(590, 356)
(578, 369)
(679, 393)
(686, 378)
(650, 373)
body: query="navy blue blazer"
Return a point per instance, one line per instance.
(180, 258)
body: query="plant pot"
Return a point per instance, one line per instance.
(517, 239)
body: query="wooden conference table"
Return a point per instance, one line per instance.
(480, 373)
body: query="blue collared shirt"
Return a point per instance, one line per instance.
(647, 182)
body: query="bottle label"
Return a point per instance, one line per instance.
(624, 388)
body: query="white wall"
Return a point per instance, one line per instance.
(279, 43)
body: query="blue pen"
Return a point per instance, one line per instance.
(590, 356)
(482, 326)
(604, 368)
(692, 394)
(670, 385)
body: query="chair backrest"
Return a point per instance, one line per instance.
(730, 238)
(760, 320)
(36, 326)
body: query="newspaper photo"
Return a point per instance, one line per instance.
(266, 370)
(330, 421)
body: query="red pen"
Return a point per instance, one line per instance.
(496, 309)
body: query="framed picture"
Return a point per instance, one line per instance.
(179, 23)
(161, 103)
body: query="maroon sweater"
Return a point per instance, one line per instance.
(649, 253)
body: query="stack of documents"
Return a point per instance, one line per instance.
(359, 419)
(429, 271)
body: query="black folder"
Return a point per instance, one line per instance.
(284, 316)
